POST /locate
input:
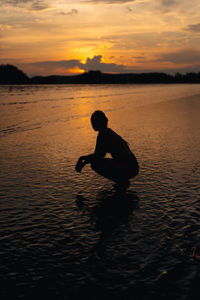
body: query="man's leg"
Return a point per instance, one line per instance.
(111, 169)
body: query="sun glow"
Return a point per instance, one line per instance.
(76, 70)
(127, 35)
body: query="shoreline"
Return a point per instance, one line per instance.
(10, 74)
(99, 83)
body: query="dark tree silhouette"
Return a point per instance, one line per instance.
(96, 77)
(10, 74)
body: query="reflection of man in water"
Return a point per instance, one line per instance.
(123, 164)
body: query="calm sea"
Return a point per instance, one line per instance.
(69, 235)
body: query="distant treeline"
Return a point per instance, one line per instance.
(10, 74)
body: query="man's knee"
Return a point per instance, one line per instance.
(95, 164)
(135, 171)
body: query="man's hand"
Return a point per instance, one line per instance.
(82, 161)
(80, 164)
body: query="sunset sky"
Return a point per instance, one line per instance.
(74, 36)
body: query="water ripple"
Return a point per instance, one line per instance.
(70, 235)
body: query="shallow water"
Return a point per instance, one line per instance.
(70, 235)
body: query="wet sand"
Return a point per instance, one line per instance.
(70, 235)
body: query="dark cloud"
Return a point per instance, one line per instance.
(34, 5)
(193, 27)
(169, 2)
(70, 13)
(16, 2)
(183, 70)
(167, 6)
(49, 66)
(188, 56)
(109, 1)
(39, 5)
(96, 64)
(64, 66)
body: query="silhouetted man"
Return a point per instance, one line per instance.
(122, 166)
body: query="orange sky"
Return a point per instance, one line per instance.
(68, 37)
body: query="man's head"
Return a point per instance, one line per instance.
(99, 120)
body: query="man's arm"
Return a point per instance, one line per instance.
(100, 150)
(82, 161)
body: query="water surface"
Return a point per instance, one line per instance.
(69, 234)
